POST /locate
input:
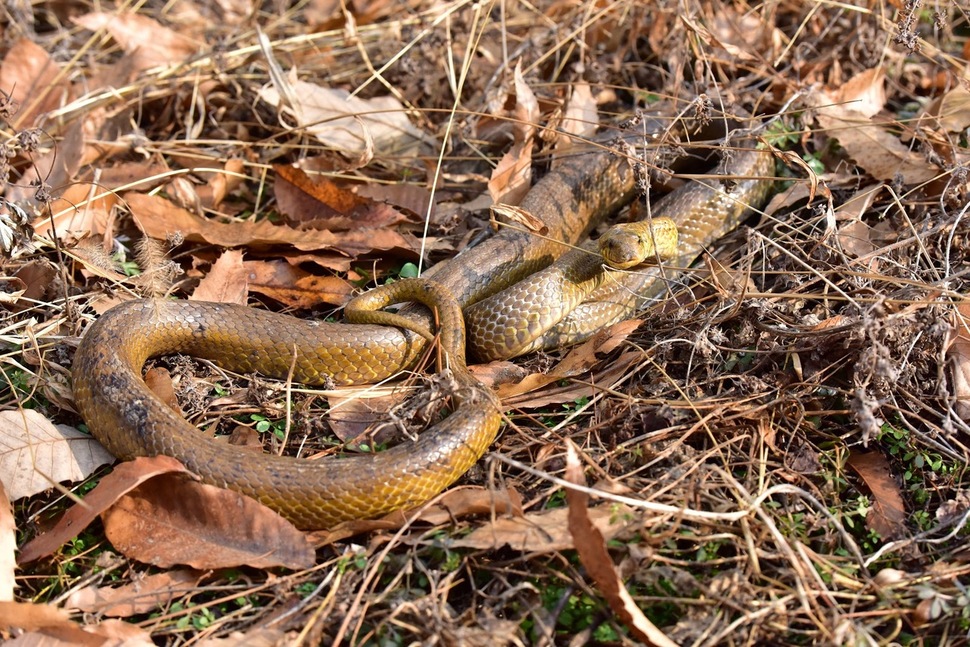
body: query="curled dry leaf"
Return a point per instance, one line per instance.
(456, 503)
(542, 532)
(591, 547)
(578, 362)
(83, 208)
(582, 115)
(30, 617)
(512, 177)
(35, 453)
(959, 354)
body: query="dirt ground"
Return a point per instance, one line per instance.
(772, 454)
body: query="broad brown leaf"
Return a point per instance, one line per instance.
(321, 201)
(172, 520)
(226, 282)
(888, 513)
(125, 476)
(295, 287)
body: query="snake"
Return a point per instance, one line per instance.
(503, 287)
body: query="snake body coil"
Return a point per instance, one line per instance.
(131, 421)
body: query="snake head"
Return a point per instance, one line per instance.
(627, 245)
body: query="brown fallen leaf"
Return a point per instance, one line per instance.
(35, 82)
(321, 201)
(220, 185)
(8, 545)
(578, 361)
(143, 595)
(847, 115)
(35, 453)
(512, 177)
(582, 114)
(543, 532)
(158, 218)
(123, 478)
(591, 546)
(411, 198)
(37, 278)
(226, 282)
(363, 415)
(456, 503)
(159, 381)
(887, 516)
(294, 286)
(170, 519)
(959, 354)
(83, 208)
(146, 42)
(30, 617)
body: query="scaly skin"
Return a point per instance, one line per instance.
(131, 421)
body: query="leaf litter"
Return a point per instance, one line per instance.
(789, 431)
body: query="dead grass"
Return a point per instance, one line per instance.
(786, 445)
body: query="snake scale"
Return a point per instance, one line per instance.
(570, 200)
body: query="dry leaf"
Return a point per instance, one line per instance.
(222, 184)
(226, 282)
(30, 617)
(146, 593)
(582, 117)
(324, 204)
(295, 287)
(409, 197)
(345, 123)
(542, 532)
(148, 43)
(259, 637)
(456, 503)
(171, 520)
(959, 354)
(512, 177)
(516, 215)
(159, 218)
(83, 208)
(34, 81)
(591, 546)
(8, 544)
(159, 382)
(887, 516)
(846, 116)
(579, 361)
(123, 478)
(35, 453)
(363, 417)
